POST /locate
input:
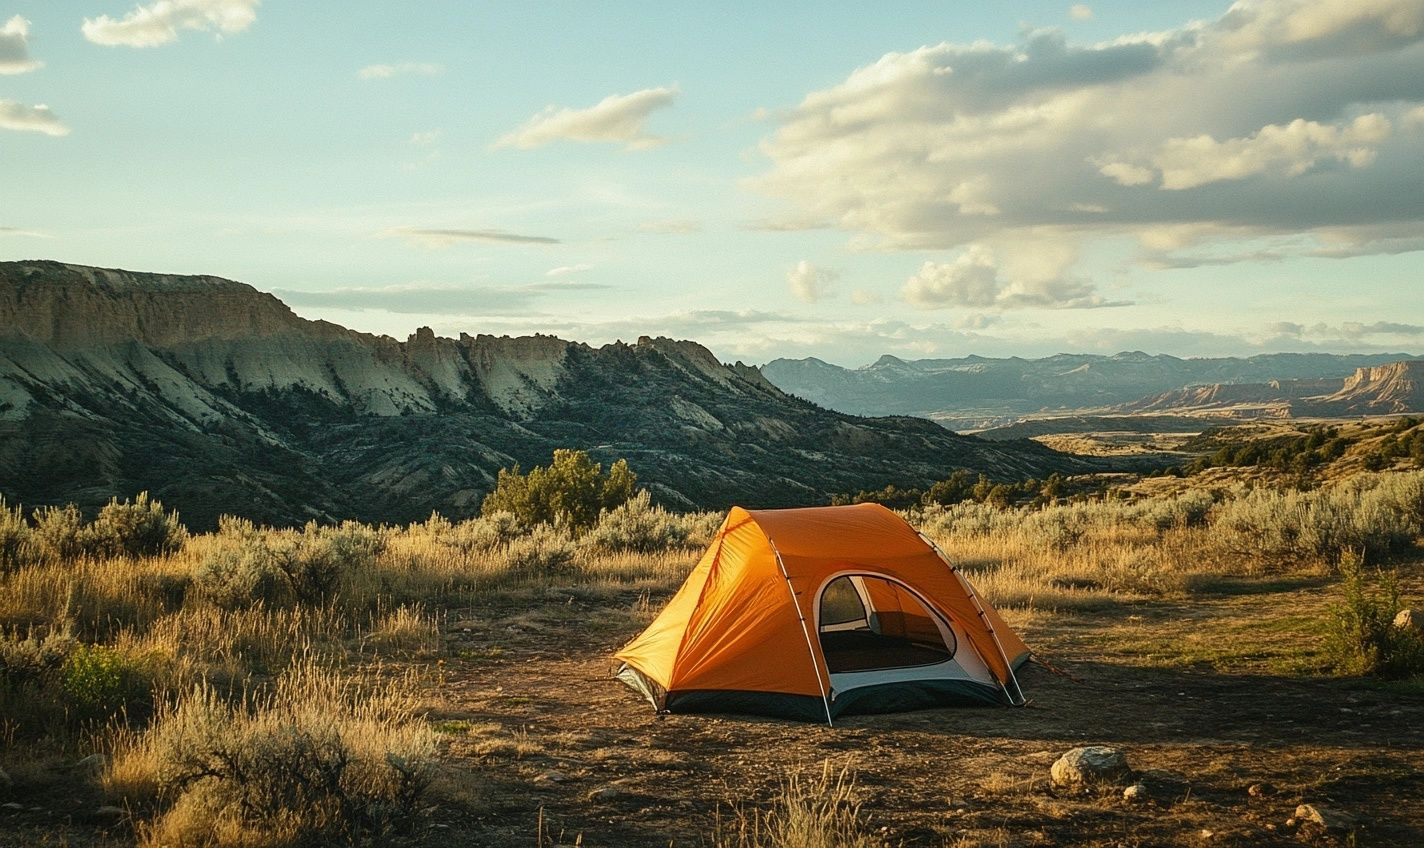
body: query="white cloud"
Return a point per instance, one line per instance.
(972, 279)
(18, 116)
(15, 47)
(1278, 117)
(425, 139)
(1080, 12)
(19, 233)
(445, 237)
(160, 22)
(617, 118)
(976, 278)
(565, 270)
(810, 282)
(421, 69)
(1289, 150)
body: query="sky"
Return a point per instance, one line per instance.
(931, 179)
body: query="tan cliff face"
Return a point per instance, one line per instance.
(71, 307)
(1396, 387)
(194, 338)
(80, 324)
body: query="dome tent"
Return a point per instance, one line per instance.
(818, 612)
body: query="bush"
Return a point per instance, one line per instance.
(541, 553)
(61, 535)
(571, 492)
(137, 528)
(1377, 515)
(283, 568)
(30, 658)
(102, 682)
(1362, 637)
(17, 547)
(1189, 509)
(483, 534)
(317, 762)
(637, 526)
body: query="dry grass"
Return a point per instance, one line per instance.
(820, 811)
(264, 650)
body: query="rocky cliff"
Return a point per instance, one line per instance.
(217, 398)
(1394, 387)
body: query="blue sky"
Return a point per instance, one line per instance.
(933, 179)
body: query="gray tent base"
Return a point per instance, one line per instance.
(881, 698)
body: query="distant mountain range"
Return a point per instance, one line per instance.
(976, 392)
(1395, 387)
(218, 399)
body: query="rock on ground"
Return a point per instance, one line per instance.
(1135, 794)
(1327, 817)
(1411, 619)
(1092, 764)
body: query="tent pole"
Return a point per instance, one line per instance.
(974, 596)
(815, 667)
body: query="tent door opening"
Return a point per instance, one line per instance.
(869, 623)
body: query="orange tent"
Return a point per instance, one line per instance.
(817, 612)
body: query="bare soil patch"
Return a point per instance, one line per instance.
(1218, 688)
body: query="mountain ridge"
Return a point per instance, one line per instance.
(974, 392)
(216, 397)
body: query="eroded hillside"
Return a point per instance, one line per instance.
(218, 398)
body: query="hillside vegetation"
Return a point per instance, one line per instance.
(282, 687)
(218, 399)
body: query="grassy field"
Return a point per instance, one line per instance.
(442, 684)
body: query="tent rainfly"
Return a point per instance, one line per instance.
(818, 612)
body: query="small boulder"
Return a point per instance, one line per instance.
(1331, 819)
(1089, 765)
(1136, 794)
(1410, 619)
(607, 793)
(1259, 790)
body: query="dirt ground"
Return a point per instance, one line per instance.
(556, 751)
(545, 748)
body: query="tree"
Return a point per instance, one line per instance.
(570, 492)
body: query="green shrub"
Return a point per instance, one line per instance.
(637, 526)
(541, 553)
(30, 658)
(316, 762)
(283, 568)
(1189, 509)
(102, 682)
(61, 535)
(1378, 515)
(17, 546)
(137, 528)
(484, 534)
(1362, 637)
(570, 492)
